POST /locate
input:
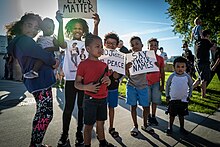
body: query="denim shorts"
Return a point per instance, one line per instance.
(154, 93)
(112, 98)
(135, 95)
(94, 110)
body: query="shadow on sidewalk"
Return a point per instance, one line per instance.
(188, 140)
(12, 93)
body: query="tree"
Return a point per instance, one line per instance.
(183, 13)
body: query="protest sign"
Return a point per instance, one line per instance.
(115, 60)
(142, 62)
(77, 8)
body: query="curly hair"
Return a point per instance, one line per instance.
(70, 26)
(14, 28)
(111, 35)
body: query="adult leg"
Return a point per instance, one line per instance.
(203, 86)
(43, 115)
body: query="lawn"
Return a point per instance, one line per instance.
(206, 105)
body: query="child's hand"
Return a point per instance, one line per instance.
(156, 63)
(93, 87)
(128, 65)
(59, 16)
(55, 66)
(116, 75)
(161, 88)
(106, 80)
(96, 19)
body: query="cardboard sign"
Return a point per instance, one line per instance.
(115, 60)
(3, 44)
(142, 62)
(77, 8)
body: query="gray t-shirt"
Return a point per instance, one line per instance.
(138, 81)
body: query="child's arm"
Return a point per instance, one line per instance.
(61, 41)
(89, 87)
(167, 91)
(127, 67)
(96, 23)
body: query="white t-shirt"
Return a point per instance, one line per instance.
(72, 58)
(45, 41)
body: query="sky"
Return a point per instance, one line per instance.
(143, 18)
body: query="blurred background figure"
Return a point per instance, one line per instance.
(163, 54)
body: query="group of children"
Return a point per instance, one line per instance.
(96, 88)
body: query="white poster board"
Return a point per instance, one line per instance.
(142, 62)
(3, 44)
(77, 8)
(115, 60)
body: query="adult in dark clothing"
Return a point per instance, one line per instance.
(202, 61)
(215, 68)
(122, 48)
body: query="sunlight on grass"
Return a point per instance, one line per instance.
(197, 104)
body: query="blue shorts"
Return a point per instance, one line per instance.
(112, 98)
(133, 95)
(94, 110)
(154, 93)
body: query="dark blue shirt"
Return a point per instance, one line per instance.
(27, 51)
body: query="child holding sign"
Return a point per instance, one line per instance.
(137, 91)
(92, 77)
(111, 41)
(75, 30)
(153, 79)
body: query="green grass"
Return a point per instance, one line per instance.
(206, 105)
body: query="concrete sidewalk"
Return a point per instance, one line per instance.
(17, 108)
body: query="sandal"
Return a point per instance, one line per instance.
(134, 131)
(113, 132)
(147, 129)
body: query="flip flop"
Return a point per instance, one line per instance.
(147, 129)
(134, 131)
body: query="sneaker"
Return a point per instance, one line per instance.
(63, 141)
(107, 145)
(79, 138)
(153, 121)
(31, 75)
(169, 132)
(183, 131)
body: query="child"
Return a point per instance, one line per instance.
(75, 31)
(95, 82)
(111, 41)
(24, 49)
(155, 82)
(178, 92)
(196, 33)
(137, 91)
(47, 42)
